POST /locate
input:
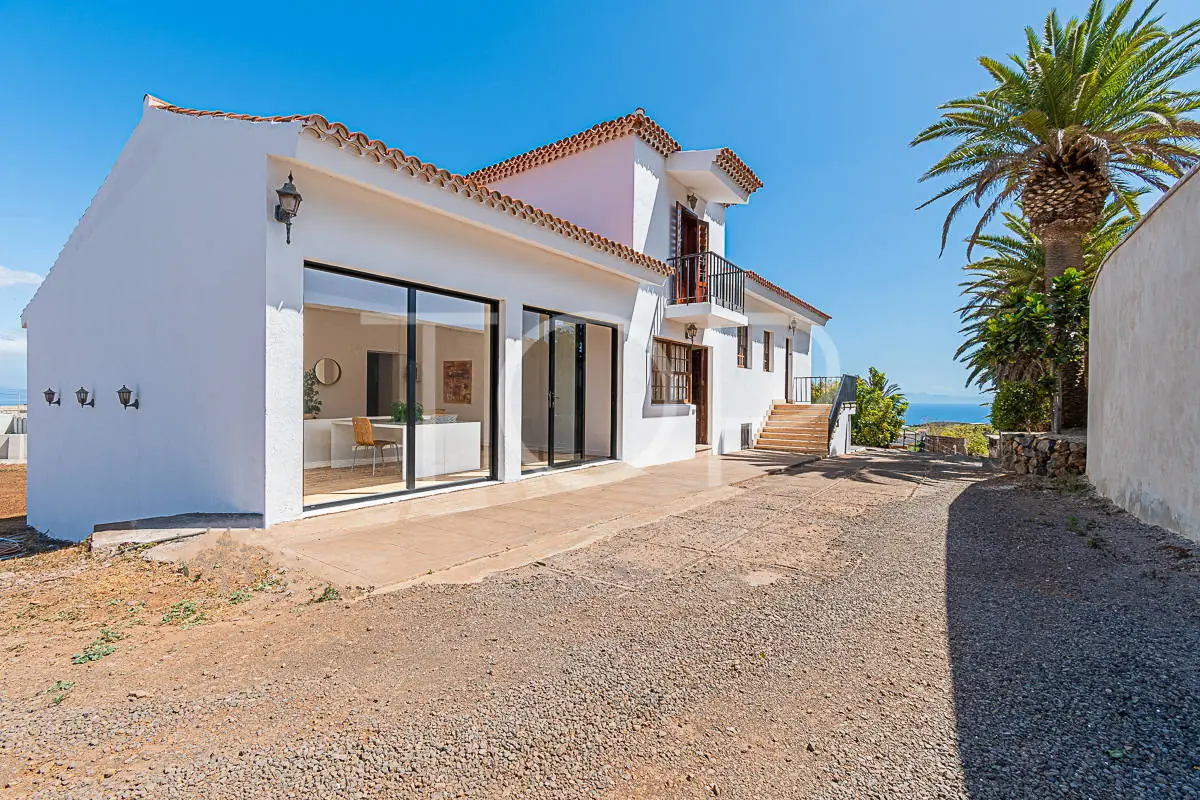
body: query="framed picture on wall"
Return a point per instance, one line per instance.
(456, 382)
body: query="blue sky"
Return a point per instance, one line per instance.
(820, 99)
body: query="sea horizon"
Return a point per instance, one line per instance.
(921, 413)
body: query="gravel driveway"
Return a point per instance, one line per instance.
(876, 626)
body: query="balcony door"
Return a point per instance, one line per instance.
(691, 239)
(568, 399)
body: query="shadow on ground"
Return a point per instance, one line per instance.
(1075, 648)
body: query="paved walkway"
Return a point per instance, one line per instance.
(464, 536)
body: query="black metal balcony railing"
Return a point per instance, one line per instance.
(707, 278)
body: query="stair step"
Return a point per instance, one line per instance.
(804, 451)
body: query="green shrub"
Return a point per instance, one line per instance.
(976, 436)
(879, 415)
(1021, 407)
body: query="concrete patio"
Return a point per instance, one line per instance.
(464, 536)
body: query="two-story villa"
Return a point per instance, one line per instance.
(276, 315)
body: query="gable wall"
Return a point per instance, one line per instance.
(161, 287)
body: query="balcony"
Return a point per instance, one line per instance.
(706, 290)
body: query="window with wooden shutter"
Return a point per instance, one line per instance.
(743, 347)
(670, 373)
(768, 354)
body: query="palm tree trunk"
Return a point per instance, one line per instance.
(1064, 249)
(1063, 243)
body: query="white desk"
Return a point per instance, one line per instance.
(442, 447)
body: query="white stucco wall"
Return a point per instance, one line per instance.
(160, 288)
(655, 196)
(1144, 367)
(593, 189)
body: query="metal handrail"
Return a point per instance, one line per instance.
(836, 390)
(707, 278)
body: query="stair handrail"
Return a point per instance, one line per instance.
(847, 392)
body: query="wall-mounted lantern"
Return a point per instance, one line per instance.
(53, 398)
(692, 200)
(289, 205)
(124, 394)
(690, 332)
(793, 323)
(81, 394)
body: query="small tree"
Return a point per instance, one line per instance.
(312, 399)
(879, 415)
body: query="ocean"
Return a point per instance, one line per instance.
(920, 413)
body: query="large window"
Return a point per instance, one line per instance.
(670, 372)
(398, 387)
(743, 347)
(768, 353)
(568, 381)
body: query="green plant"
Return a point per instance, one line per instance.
(1021, 406)
(1092, 106)
(1074, 526)
(1015, 263)
(239, 596)
(185, 613)
(330, 593)
(879, 417)
(312, 396)
(400, 411)
(95, 651)
(60, 690)
(976, 436)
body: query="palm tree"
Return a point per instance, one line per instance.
(1016, 263)
(1091, 111)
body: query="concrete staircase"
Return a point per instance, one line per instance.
(796, 428)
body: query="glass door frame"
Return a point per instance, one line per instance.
(410, 431)
(581, 324)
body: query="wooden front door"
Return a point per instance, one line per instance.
(699, 392)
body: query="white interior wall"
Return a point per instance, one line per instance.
(169, 300)
(1144, 368)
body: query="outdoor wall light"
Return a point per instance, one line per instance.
(289, 205)
(690, 331)
(793, 323)
(53, 398)
(692, 200)
(124, 394)
(81, 394)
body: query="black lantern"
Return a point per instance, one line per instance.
(692, 200)
(81, 394)
(49, 394)
(124, 394)
(289, 205)
(690, 332)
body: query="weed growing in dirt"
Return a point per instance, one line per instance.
(185, 613)
(271, 583)
(60, 690)
(1093, 542)
(239, 596)
(1072, 484)
(1074, 526)
(93, 652)
(330, 593)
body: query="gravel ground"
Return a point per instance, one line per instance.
(880, 626)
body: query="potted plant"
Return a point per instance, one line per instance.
(400, 412)
(312, 399)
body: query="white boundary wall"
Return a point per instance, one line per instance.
(1144, 365)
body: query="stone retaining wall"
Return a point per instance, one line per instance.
(1039, 453)
(946, 445)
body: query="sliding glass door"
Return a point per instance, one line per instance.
(400, 387)
(568, 391)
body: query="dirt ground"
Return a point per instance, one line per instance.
(881, 626)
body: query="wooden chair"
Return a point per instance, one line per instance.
(364, 436)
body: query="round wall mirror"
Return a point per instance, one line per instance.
(328, 371)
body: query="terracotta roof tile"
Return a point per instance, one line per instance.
(636, 124)
(735, 168)
(341, 136)
(784, 293)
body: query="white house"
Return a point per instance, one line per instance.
(483, 337)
